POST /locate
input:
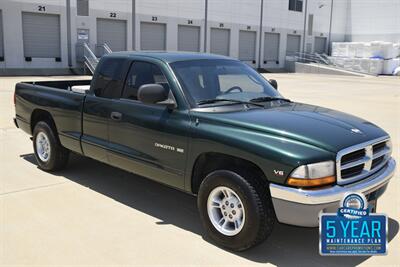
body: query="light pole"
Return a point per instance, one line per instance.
(330, 29)
(68, 5)
(260, 34)
(133, 25)
(205, 24)
(304, 29)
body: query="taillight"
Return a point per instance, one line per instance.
(15, 99)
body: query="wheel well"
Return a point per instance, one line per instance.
(209, 162)
(42, 115)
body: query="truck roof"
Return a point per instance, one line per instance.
(168, 57)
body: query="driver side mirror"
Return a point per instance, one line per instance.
(155, 94)
(274, 83)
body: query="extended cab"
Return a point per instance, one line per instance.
(213, 127)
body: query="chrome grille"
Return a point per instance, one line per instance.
(360, 161)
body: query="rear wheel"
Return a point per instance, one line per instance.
(236, 212)
(49, 153)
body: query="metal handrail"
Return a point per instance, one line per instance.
(107, 48)
(90, 64)
(91, 60)
(323, 58)
(320, 59)
(102, 49)
(310, 58)
(89, 51)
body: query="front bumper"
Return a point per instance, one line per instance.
(302, 207)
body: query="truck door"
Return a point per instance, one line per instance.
(150, 140)
(107, 84)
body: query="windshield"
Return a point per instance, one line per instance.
(205, 80)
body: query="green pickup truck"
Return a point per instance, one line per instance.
(213, 127)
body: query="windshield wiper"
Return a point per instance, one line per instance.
(268, 98)
(215, 100)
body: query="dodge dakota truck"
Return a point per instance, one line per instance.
(213, 127)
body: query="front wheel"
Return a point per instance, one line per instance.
(236, 212)
(49, 153)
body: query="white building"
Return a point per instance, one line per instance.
(46, 36)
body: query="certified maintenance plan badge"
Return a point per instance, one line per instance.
(353, 230)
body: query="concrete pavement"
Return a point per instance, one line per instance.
(93, 214)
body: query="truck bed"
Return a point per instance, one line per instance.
(60, 100)
(64, 85)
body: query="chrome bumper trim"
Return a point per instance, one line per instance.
(335, 193)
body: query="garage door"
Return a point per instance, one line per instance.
(113, 33)
(271, 47)
(188, 38)
(219, 39)
(247, 45)
(320, 45)
(41, 35)
(152, 36)
(1, 37)
(293, 44)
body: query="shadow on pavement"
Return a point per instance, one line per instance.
(287, 246)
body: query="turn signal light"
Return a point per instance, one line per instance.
(301, 182)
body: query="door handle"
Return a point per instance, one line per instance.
(116, 116)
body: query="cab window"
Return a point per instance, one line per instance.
(142, 73)
(109, 79)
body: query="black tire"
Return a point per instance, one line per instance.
(256, 199)
(58, 156)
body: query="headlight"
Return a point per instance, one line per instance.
(316, 174)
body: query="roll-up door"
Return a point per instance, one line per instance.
(113, 33)
(219, 39)
(188, 38)
(41, 35)
(152, 36)
(320, 45)
(271, 47)
(247, 45)
(293, 44)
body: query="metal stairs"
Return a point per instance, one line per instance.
(323, 62)
(90, 59)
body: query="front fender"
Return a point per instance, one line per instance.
(276, 156)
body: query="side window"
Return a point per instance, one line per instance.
(296, 5)
(142, 73)
(82, 7)
(109, 78)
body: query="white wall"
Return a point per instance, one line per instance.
(235, 15)
(352, 20)
(339, 20)
(100, 9)
(371, 20)
(172, 13)
(13, 38)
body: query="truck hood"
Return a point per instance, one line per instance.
(322, 127)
